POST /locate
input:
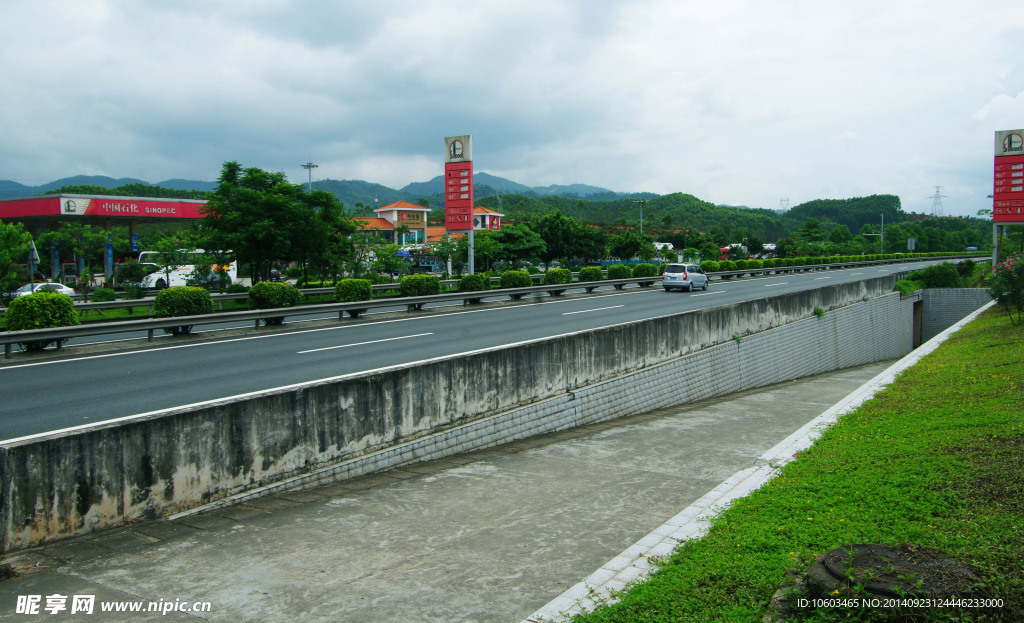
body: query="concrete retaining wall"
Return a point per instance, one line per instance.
(179, 460)
(945, 307)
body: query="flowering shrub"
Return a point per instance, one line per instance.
(1008, 287)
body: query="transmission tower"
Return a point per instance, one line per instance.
(783, 204)
(937, 202)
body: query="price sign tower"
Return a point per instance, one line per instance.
(1007, 185)
(458, 187)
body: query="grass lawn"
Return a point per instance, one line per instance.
(936, 460)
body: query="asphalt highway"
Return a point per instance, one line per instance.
(80, 388)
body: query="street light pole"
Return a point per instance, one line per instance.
(309, 166)
(641, 202)
(881, 237)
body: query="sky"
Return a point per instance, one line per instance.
(739, 102)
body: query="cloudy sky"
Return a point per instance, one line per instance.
(748, 102)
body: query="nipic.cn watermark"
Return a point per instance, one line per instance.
(87, 604)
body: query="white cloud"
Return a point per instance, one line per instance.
(735, 101)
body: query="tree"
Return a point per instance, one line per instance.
(556, 232)
(172, 252)
(14, 245)
(811, 231)
(786, 247)
(387, 261)
(627, 245)
(840, 234)
(262, 218)
(444, 250)
(591, 243)
(517, 243)
(86, 242)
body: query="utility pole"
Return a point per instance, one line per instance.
(309, 166)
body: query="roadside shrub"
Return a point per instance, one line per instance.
(590, 273)
(352, 290)
(726, 266)
(619, 271)
(966, 268)
(236, 288)
(755, 264)
(769, 263)
(942, 275)
(182, 301)
(740, 264)
(130, 276)
(1007, 287)
(515, 279)
(906, 286)
(419, 285)
(272, 295)
(474, 283)
(557, 276)
(710, 266)
(42, 310)
(645, 270)
(102, 295)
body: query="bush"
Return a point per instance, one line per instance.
(740, 264)
(130, 276)
(419, 285)
(942, 275)
(966, 268)
(768, 263)
(182, 301)
(352, 290)
(710, 266)
(515, 279)
(102, 295)
(645, 270)
(474, 283)
(590, 273)
(726, 266)
(272, 295)
(42, 310)
(1007, 287)
(236, 288)
(557, 276)
(906, 286)
(619, 271)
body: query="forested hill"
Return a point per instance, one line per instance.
(854, 213)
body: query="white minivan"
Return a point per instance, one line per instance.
(684, 277)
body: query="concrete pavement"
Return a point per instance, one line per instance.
(488, 536)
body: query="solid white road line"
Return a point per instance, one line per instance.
(587, 311)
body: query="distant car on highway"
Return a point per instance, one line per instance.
(684, 277)
(30, 288)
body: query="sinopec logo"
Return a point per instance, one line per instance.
(1013, 143)
(456, 151)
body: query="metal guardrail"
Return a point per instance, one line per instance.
(150, 325)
